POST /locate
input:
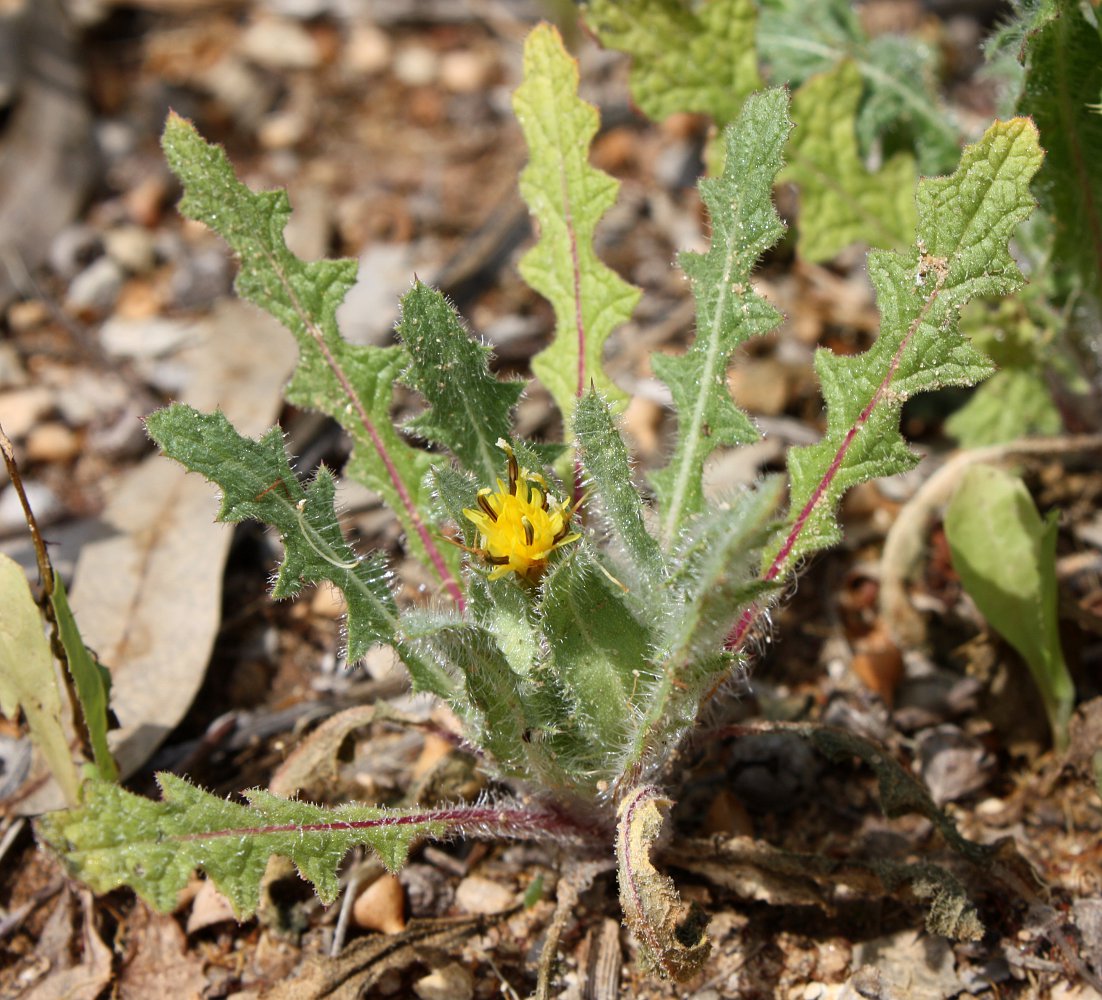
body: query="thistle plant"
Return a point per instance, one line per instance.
(579, 626)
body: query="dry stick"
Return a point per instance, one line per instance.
(572, 883)
(905, 541)
(46, 575)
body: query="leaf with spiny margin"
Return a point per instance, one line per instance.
(717, 562)
(455, 491)
(351, 383)
(599, 649)
(117, 838)
(900, 106)
(728, 310)
(469, 409)
(698, 59)
(495, 706)
(257, 482)
(604, 458)
(567, 196)
(965, 222)
(840, 201)
(1063, 56)
(507, 613)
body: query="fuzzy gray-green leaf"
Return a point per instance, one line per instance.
(599, 649)
(744, 225)
(118, 838)
(605, 460)
(1063, 56)
(469, 409)
(257, 482)
(965, 222)
(353, 384)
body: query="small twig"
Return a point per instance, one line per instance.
(576, 878)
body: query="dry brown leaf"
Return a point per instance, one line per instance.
(67, 981)
(148, 598)
(161, 964)
(363, 963)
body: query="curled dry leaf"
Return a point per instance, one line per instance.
(671, 931)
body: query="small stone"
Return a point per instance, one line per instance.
(96, 288)
(642, 420)
(131, 247)
(381, 906)
(144, 201)
(465, 72)
(430, 892)
(760, 385)
(44, 502)
(145, 338)
(416, 65)
(73, 249)
(451, 982)
(208, 907)
(90, 395)
(282, 130)
(200, 279)
(476, 894)
(953, 764)
(328, 602)
(367, 50)
(280, 45)
(52, 442)
(25, 315)
(21, 409)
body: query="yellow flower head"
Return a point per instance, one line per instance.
(519, 526)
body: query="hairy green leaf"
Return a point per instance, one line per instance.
(454, 492)
(28, 681)
(697, 57)
(964, 224)
(729, 311)
(1006, 557)
(605, 460)
(716, 578)
(496, 705)
(900, 107)
(841, 202)
(117, 838)
(1062, 52)
(567, 197)
(257, 482)
(469, 409)
(599, 650)
(1013, 403)
(353, 384)
(91, 681)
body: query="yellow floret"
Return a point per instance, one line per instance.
(519, 526)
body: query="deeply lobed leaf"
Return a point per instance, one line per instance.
(117, 838)
(841, 202)
(257, 482)
(351, 383)
(699, 58)
(1063, 56)
(729, 311)
(964, 224)
(469, 409)
(567, 197)
(899, 108)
